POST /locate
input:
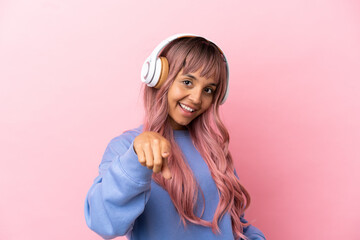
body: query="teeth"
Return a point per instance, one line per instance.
(187, 108)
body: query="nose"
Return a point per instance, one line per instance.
(195, 96)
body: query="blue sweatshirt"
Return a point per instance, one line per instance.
(124, 200)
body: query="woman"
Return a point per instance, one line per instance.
(173, 177)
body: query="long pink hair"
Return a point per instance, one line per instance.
(207, 131)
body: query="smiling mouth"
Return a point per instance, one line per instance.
(185, 108)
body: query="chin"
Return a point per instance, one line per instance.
(182, 124)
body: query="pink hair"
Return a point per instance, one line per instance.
(208, 133)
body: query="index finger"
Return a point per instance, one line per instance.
(165, 152)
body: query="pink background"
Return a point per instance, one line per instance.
(70, 81)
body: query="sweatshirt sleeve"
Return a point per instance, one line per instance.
(251, 231)
(120, 192)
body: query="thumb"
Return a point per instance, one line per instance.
(165, 171)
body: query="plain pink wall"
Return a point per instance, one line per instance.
(70, 81)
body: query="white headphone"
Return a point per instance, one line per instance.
(155, 69)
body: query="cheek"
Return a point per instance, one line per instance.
(175, 94)
(172, 100)
(207, 104)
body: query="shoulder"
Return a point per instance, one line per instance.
(123, 141)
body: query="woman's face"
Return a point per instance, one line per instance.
(194, 92)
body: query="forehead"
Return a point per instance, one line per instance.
(197, 76)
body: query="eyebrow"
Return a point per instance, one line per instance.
(191, 76)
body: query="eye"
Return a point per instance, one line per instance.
(186, 81)
(210, 92)
(207, 90)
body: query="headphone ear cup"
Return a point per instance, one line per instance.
(164, 71)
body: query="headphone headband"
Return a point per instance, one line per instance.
(152, 68)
